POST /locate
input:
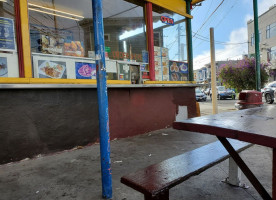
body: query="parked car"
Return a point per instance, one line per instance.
(269, 95)
(223, 93)
(200, 96)
(269, 86)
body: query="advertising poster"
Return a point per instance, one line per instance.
(7, 39)
(178, 71)
(3, 67)
(52, 69)
(85, 70)
(145, 56)
(48, 40)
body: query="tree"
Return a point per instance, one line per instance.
(242, 76)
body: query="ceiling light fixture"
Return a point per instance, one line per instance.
(49, 13)
(70, 15)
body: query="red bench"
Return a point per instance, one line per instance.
(155, 181)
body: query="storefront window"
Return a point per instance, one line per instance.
(61, 35)
(169, 46)
(125, 37)
(8, 49)
(273, 54)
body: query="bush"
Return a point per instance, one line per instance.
(242, 76)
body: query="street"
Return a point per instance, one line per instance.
(226, 105)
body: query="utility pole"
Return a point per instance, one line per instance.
(213, 72)
(257, 48)
(182, 52)
(178, 36)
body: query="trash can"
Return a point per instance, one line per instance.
(249, 99)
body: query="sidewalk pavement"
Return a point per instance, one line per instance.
(76, 174)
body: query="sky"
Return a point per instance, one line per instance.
(230, 26)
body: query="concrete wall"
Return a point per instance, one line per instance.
(41, 121)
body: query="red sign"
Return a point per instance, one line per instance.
(122, 55)
(167, 20)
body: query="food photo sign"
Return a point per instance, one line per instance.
(178, 71)
(52, 69)
(85, 70)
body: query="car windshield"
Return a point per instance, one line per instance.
(271, 84)
(221, 88)
(198, 91)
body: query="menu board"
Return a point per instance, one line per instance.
(7, 39)
(161, 62)
(178, 71)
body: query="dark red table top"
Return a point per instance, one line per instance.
(255, 125)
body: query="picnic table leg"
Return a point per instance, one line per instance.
(247, 172)
(274, 174)
(161, 196)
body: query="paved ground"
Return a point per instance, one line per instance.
(75, 174)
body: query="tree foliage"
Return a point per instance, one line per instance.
(242, 76)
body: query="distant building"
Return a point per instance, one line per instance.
(267, 32)
(203, 75)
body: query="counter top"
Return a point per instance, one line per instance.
(67, 86)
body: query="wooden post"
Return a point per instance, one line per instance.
(213, 73)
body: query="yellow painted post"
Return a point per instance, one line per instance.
(25, 32)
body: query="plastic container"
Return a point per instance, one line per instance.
(249, 99)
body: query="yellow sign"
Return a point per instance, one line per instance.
(177, 6)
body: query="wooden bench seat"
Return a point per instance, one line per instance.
(155, 181)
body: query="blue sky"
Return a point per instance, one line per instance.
(230, 26)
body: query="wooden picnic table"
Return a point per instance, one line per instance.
(255, 125)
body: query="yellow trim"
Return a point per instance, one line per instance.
(25, 38)
(177, 6)
(170, 82)
(14, 80)
(56, 81)
(196, 1)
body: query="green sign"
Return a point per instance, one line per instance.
(107, 49)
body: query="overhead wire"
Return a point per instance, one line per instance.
(218, 23)
(208, 18)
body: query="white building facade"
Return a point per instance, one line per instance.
(267, 32)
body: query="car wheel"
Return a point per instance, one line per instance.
(219, 97)
(233, 97)
(268, 99)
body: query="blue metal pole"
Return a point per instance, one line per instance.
(102, 99)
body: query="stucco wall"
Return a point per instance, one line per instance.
(41, 121)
